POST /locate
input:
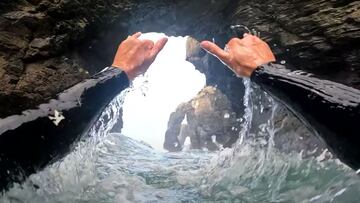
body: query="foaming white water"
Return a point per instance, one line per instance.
(170, 81)
(109, 167)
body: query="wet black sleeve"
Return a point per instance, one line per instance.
(329, 108)
(30, 141)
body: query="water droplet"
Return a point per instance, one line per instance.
(315, 198)
(213, 138)
(340, 192)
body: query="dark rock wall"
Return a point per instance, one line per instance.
(40, 41)
(319, 36)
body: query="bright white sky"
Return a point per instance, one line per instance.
(171, 80)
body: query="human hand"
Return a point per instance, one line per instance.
(243, 56)
(134, 56)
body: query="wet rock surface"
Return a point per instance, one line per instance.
(319, 36)
(39, 47)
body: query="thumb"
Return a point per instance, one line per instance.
(159, 45)
(215, 50)
(148, 44)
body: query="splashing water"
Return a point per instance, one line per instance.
(109, 167)
(257, 171)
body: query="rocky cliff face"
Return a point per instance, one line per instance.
(319, 36)
(39, 47)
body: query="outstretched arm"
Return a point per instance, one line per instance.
(28, 142)
(331, 109)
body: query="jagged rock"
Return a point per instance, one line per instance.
(38, 47)
(9, 41)
(208, 120)
(197, 56)
(3, 64)
(34, 2)
(217, 75)
(38, 82)
(319, 36)
(35, 36)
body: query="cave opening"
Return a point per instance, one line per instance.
(170, 81)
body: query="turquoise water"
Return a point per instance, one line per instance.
(109, 167)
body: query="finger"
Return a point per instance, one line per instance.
(215, 50)
(136, 35)
(159, 45)
(252, 37)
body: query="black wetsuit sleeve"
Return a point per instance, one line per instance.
(30, 141)
(329, 108)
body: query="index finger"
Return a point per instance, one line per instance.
(136, 35)
(215, 50)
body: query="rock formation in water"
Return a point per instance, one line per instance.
(208, 120)
(211, 123)
(218, 76)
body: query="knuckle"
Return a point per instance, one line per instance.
(148, 44)
(233, 41)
